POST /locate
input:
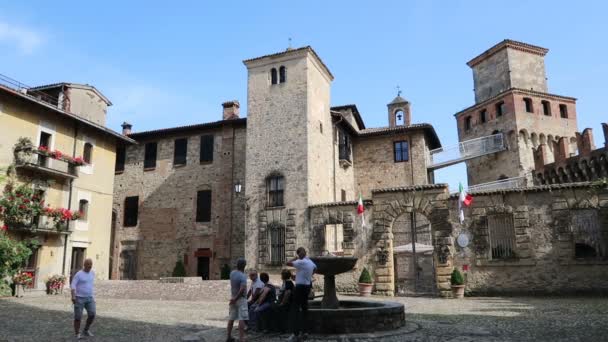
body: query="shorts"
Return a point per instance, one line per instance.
(239, 310)
(87, 303)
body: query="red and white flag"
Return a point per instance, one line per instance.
(464, 200)
(361, 210)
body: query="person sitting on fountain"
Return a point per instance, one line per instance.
(256, 287)
(305, 268)
(282, 311)
(262, 306)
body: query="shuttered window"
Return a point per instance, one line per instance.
(121, 156)
(502, 236)
(334, 236)
(206, 148)
(203, 206)
(180, 151)
(150, 155)
(131, 211)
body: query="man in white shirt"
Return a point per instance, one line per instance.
(82, 297)
(305, 268)
(256, 287)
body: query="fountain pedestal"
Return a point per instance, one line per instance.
(330, 299)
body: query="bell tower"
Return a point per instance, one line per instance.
(399, 111)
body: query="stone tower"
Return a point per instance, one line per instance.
(511, 97)
(289, 150)
(399, 112)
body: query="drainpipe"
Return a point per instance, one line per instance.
(65, 239)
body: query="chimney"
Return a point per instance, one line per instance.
(231, 110)
(540, 157)
(126, 128)
(605, 127)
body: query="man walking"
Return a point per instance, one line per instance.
(82, 298)
(238, 310)
(305, 268)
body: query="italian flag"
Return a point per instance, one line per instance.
(464, 200)
(361, 210)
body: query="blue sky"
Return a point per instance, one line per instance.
(174, 63)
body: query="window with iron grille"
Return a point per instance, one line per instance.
(502, 236)
(275, 186)
(203, 206)
(343, 145)
(121, 156)
(180, 151)
(401, 151)
(277, 243)
(206, 148)
(334, 236)
(131, 211)
(150, 155)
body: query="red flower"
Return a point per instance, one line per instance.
(57, 154)
(43, 149)
(22, 206)
(5, 227)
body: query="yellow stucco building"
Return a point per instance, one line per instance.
(69, 118)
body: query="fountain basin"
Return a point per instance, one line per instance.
(332, 265)
(354, 316)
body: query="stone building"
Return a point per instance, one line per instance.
(512, 97)
(69, 120)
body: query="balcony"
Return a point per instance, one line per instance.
(42, 224)
(44, 163)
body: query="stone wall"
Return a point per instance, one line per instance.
(491, 76)
(166, 229)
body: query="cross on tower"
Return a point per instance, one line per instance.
(398, 91)
(289, 42)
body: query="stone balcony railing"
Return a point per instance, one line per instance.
(37, 161)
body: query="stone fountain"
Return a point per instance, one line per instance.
(331, 316)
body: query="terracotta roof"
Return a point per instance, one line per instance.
(355, 111)
(516, 90)
(342, 203)
(181, 129)
(69, 115)
(428, 129)
(508, 43)
(289, 52)
(538, 188)
(420, 187)
(73, 85)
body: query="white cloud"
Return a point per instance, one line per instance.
(26, 40)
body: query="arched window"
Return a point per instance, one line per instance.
(483, 116)
(399, 118)
(528, 103)
(282, 74)
(83, 209)
(546, 108)
(563, 111)
(275, 186)
(467, 123)
(87, 153)
(273, 76)
(276, 232)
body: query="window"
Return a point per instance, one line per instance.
(150, 155)
(121, 156)
(401, 151)
(277, 243)
(528, 103)
(321, 127)
(546, 108)
(500, 108)
(282, 74)
(467, 123)
(483, 116)
(83, 209)
(131, 211)
(275, 186)
(180, 151)
(502, 236)
(563, 111)
(206, 148)
(273, 76)
(203, 206)
(343, 195)
(334, 236)
(343, 145)
(399, 118)
(45, 140)
(87, 153)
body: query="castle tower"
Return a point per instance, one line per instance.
(289, 151)
(511, 97)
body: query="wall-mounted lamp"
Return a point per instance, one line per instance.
(238, 187)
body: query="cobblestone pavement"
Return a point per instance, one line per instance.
(48, 318)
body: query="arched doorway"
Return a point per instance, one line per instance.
(413, 263)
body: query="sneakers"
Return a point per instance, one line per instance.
(77, 337)
(87, 333)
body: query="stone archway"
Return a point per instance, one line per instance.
(431, 201)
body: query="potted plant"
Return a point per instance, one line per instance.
(54, 285)
(21, 280)
(457, 281)
(365, 283)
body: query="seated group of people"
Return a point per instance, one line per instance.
(269, 311)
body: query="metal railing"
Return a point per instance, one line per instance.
(446, 156)
(26, 90)
(509, 183)
(38, 160)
